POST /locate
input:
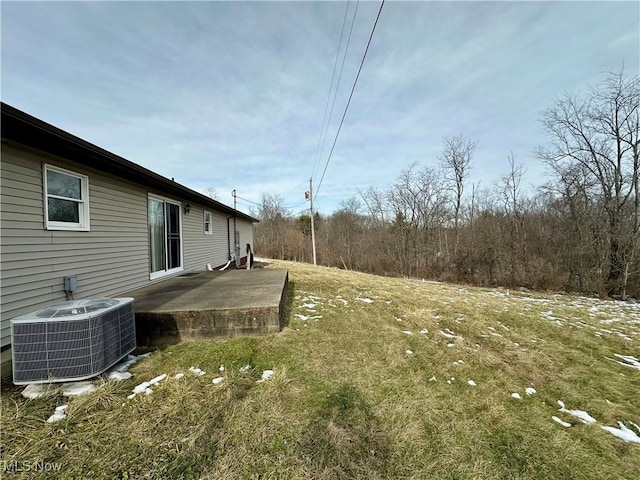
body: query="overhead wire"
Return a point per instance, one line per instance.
(247, 201)
(297, 186)
(237, 197)
(318, 154)
(335, 93)
(364, 56)
(296, 205)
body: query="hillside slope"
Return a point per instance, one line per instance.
(373, 378)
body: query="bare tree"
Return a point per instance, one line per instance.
(212, 193)
(270, 233)
(375, 204)
(418, 202)
(513, 204)
(456, 163)
(600, 133)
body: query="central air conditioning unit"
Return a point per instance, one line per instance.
(72, 340)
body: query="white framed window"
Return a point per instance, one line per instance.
(208, 223)
(66, 199)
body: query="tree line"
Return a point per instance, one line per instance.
(580, 231)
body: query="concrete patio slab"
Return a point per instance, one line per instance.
(211, 304)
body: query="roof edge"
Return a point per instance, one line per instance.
(23, 129)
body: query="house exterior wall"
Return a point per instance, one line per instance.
(109, 260)
(246, 236)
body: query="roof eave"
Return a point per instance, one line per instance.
(23, 129)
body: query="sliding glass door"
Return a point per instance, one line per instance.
(165, 239)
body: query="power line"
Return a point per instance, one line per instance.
(350, 96)
(292, 189)
(326, 107)
(335, 93)
(294, 206)
(246, 200)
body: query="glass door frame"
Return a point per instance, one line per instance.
(165, 271)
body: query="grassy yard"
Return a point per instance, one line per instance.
(373, 378)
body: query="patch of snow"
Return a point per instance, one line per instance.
(266, 375)
(409, 352)
(196, 371)
(58, 414)
(530, 391)
(217, 380)
(117, 376)
(398, 319)
(131, 359)
(36, 390)
(449, 334)
(221, 368)
(140, 388)
(304, 318)
(245, 368)
(309, 306)
(424, 331)
(407, 332)
(472, 383)
(365, 300)
(629, 361)
(157, 379)
(623, 433)
(76, 389)
(451, 345)
(144, 386)
(178, 376)
(458, 362)
(561, 422)
(433, 379)
(516, 395)
(583, 416)
(610, 321)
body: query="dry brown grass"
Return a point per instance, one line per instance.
(347, 401)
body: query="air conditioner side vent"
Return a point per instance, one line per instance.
(72, 340)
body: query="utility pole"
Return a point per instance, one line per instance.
(236, 245)
(313, 233)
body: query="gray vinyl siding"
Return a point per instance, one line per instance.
(199, 248)
(246, 235)
(109, 260)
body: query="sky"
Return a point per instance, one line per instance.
(233, 95)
